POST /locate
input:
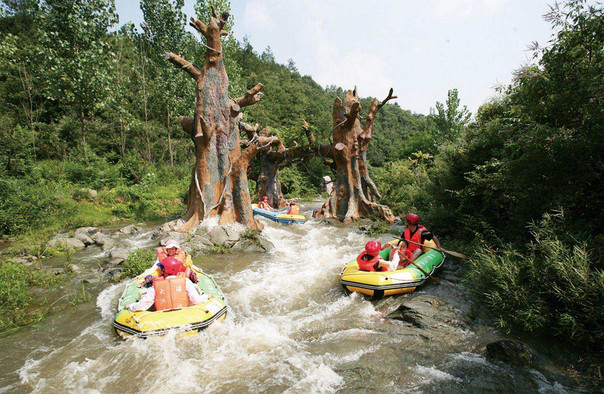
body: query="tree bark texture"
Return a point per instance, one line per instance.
(354, 192)
(219, 184)
(277, 157)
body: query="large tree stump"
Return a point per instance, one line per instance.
(219, 184)
(273, 160)
(354, 192)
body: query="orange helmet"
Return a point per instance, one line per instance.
(373, 248)
(171, 266)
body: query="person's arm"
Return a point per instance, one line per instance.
(194, 294)
(144, 303)
(436, 241)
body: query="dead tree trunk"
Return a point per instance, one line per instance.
(354, 192)
(219, 183)
(277, 158)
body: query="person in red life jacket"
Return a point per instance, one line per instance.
(263, 204)
(415, 232)
(294, 209)
(370, 259)
(171, 290)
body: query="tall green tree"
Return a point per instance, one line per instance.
(78, 55)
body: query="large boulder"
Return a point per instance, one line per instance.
(87, 230)
(175, 235)
(84, 237)
(264, 243)
(247, 245)
(120, 253)
(233, 232)
(130, 230)
(66, 243)
(217, 235)
(100, 238)
(512, 352)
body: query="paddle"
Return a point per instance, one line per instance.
(452, 253)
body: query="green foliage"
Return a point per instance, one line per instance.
(402, 184)
(295, 182)
(137, 263)
(218, 249)
(18, 305)
(553, 287)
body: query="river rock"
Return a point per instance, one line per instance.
(171, 226)
(217, 235)
(107, 246)
(87, 230)
(113, 274)
(120, 253)
(54, 271)
(100, 238)
(178, 237)
(199, 243)
(264, 243)
(22, 261)
(74, 268)
(130, 230)
(67, 243)
(247, 245)
(233, 232)
(407, 315)
(86, 240)
(512, 352)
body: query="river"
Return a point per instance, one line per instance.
(290, 328)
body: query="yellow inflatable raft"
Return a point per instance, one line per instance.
(190, 320)
(380, 284)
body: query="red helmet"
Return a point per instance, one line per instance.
(264, 198)
(373, 248)
(171, 266)
(292, 203)
(412, 218)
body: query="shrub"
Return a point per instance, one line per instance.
(137, 263)
(17, 303)
(552, 287)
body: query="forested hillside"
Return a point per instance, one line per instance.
(89, 131)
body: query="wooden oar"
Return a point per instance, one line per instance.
(452, 253)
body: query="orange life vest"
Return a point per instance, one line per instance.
(294, 210)
(415, 237)
(171, 293)
(162, 254)
(263, 205)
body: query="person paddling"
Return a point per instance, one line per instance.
(417, 234)
(172, 249)
(263, 204)
(294, 209)
(169, 291)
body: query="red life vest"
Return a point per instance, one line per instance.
(171, 293)
(415, 237)
(366, 261)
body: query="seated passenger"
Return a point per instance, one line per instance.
(293, 209)
(263, 204)
(417, 234)
(171, 290)
(370, 259)
(173, 249)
